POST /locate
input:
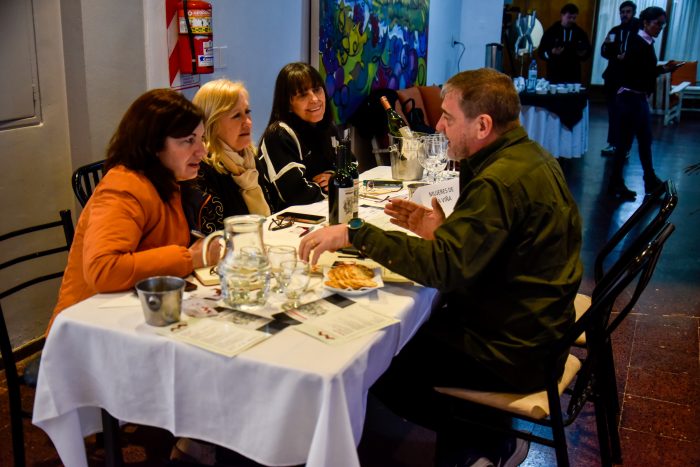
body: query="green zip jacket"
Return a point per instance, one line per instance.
(507, 259)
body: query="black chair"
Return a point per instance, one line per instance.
(641, 227)
(85, 179)
(544, 408)
(10, 356)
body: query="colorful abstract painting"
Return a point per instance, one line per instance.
(366, 45)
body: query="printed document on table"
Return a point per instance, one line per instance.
(214, 335)
(344, 320)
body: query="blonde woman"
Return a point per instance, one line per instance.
(229, 182)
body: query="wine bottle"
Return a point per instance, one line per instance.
(397, 125)
(356, 187)
(341, 192)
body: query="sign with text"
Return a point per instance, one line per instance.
(446, 192)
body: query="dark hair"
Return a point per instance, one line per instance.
(487, 91)
(569, 8)
(141, 134)
(295, 78)
(627, 3)
(651, 13)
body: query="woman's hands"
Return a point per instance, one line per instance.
(322, 180)
(672, 65)
(214, 253)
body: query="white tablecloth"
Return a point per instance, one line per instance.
(289, 400)
(545, 127)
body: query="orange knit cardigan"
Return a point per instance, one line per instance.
(125, 233)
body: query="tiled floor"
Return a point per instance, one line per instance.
(657, 349)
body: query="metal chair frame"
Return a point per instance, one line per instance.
(641, 227)
(591, 381)
(85, 179)
(9, 355)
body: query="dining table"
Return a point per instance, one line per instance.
(288, 400)
(559, 122)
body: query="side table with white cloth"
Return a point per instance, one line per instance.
(559, 122)
(290, 399)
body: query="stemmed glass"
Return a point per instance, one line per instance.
(434, 158)
(295, 277)
(276, 254)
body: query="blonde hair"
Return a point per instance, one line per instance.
(216, 98)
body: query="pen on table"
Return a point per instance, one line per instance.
(197, 233)
(306, 230)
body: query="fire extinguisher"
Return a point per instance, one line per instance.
(196, 40)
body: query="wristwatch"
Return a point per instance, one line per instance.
(354, 225)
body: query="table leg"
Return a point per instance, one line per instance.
(113, 452)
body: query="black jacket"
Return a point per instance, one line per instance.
(291, 158)
(610, 50)
(212, 197)
(639, 68)
(507, 259)
(565, 67)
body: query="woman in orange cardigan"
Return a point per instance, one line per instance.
(133, 226)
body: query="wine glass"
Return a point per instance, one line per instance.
(276, 254)
(434, 157)
(295, 277)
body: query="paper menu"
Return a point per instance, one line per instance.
(343, 320)
(214, 335)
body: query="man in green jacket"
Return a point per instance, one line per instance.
(506, 259)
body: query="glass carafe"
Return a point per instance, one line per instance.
(244, 270)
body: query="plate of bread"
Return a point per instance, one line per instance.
(349, 278)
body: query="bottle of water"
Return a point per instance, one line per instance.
(532, 76)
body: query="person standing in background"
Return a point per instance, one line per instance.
(613, 49)
(564, 46)
(639, 72)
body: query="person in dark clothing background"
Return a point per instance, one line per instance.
(613, 49)
(639, 72)
(564, 46)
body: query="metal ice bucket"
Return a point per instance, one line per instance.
(161, 299)
(405, 154)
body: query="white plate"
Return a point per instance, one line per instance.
(355, 292)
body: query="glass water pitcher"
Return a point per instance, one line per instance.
(244, 270)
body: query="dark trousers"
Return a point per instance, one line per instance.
(610, 97)
(424, 363)
(634, 120)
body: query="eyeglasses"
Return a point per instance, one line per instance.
(660, 24)
(279, 224)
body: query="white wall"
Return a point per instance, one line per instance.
(260, 37)
(110, 70)
(480, 25)
(474, 23)
(444, 24)
(35, 167)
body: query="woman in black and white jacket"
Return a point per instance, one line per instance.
(296, 149)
